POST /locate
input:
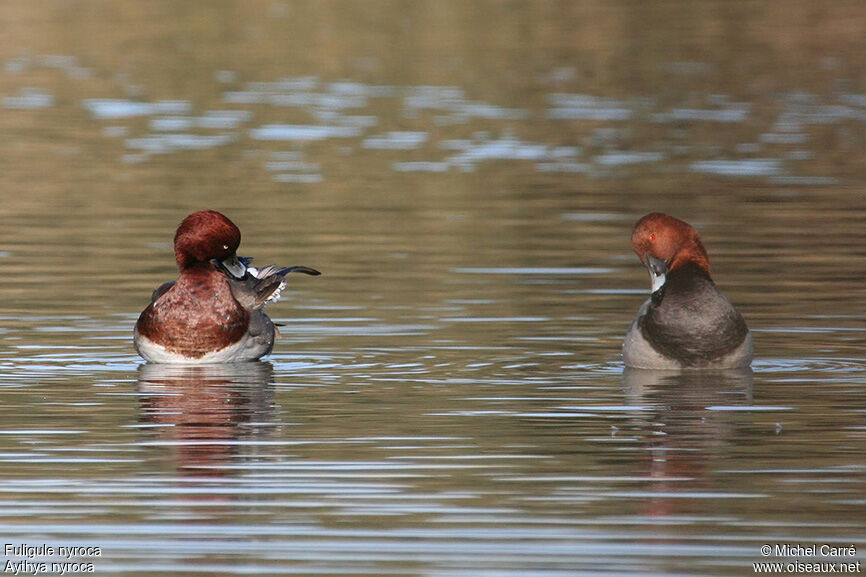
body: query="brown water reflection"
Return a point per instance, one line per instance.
(686, 427)
(450, 399)
(205, 412)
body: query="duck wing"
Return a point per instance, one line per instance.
(161, 290)
(263, 285)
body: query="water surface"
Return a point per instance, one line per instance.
(448, 399)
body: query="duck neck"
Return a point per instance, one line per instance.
(688, 269)
(197, 268)
(691, 252)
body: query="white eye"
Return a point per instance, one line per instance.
(225, 247)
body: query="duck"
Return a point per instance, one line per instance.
(687, 323)
(214, 311)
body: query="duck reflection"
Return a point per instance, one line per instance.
(206, 409)
(685, 427)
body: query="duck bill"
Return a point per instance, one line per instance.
(657, 269)
(232, 266)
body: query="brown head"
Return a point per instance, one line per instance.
(664, 243)
(204, 236)
(669, 239)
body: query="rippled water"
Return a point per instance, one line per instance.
(448, 399)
